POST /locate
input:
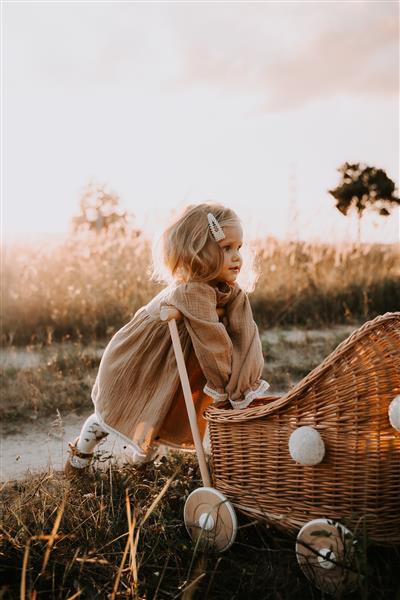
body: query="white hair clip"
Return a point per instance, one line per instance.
(215, 228)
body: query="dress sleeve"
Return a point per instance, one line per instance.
(230, 357)
(245, 383)
(213, 347)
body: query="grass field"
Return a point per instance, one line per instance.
(37, 381)
(120, 534)
(63, 540)
(87, 287)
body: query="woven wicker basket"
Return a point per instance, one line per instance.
(346, 399)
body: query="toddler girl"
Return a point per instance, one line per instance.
(137, 393)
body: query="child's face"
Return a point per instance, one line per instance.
(231, 248)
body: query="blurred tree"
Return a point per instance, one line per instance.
(100, 212)
(363, 187)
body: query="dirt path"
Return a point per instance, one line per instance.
(37, 446)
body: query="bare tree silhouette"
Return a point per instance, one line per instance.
(100, 212)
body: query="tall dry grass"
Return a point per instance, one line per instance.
(312, 283)
(90, 285)
(82, 289)
(120, 534)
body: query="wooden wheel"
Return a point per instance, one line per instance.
(210, 519)
(325, 553)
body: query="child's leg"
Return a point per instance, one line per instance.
(82, 450)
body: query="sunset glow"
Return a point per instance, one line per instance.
(254, 105)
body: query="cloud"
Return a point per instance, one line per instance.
(284, 55)
(290, 54)
(83, 46)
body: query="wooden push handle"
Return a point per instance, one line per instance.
(187, 394)
(171, 314)
(167, 313)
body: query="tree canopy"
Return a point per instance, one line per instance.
(363, 187)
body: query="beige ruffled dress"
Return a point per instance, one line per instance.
(137, 392)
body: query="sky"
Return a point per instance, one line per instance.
(251, 104)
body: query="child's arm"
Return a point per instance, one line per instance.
(232, 359)
(245, 384)
(211, 342)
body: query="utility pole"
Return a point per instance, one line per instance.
(292, 228)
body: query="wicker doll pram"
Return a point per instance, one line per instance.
(351, 403)
(346, 399)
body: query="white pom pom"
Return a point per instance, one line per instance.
(306, 446)
(394, 413)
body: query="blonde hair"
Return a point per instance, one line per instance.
(188, 250)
